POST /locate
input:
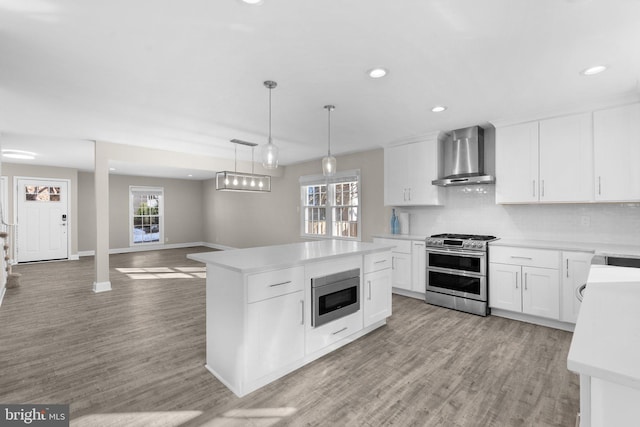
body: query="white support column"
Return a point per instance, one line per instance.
(101, 181)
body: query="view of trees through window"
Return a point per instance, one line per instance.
(331, 209)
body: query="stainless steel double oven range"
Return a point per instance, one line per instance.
(456, 275)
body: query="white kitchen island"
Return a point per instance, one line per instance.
(605, 349)
(259, 307)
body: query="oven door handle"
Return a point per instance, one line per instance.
(454, 272)
(454, 252)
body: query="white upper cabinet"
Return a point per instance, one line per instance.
(408, 172)
(617, 153)
(396, 175)
(566, 159)
(549, 161)
(517, 163)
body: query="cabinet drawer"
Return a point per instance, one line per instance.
(322, 336)
(525, 256)
(376, 262)
(402, 246)
(274, 283)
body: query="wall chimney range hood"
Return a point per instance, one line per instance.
(462, 160)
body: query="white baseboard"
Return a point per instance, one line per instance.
(145, 248)
(2, 291)
(550, 323)
(74, 257)
(101, 286)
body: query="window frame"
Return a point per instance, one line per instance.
(144, 189)
(340, 177)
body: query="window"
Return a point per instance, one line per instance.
(146, 209)
(42, 193)
(330, 206)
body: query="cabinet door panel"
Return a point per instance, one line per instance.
(377, 296)
(541, 292)
(395, 175)
(517, 163)
(566, 159)
(575, 271)
(275, 334)
(616, 153)
(422, 169)
(401, 270)
(419, 267)
(504, 286)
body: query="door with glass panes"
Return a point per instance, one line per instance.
(42, 225)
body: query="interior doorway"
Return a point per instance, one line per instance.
(42, 220)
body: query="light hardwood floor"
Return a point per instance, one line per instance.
(134, 357)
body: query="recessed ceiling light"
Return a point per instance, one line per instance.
(253, 2)
(18, 154)
(593, 70)
(376, 73)
(112, 169)
(439, 108)
(190, 175)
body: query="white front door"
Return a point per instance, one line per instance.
(42, 220)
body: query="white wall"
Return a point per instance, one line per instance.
(248, 219)
(473, 210)
(183, 211)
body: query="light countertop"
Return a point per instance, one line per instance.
(401, 236)
(606, 340)
(605, 249)
(253, 260)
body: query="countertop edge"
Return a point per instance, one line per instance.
(286, 264)
(603, 249)
(603, 374)
(399, 236)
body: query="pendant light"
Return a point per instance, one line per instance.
(270, 151)
(242, 181)
(329, 162)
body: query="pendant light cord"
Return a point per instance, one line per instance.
(329, 133)
(270, 89)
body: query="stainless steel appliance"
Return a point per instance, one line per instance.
(462, 160)
(456, 275)
(334, 296)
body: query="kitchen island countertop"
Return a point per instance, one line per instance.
(606, 340)
(257, 259)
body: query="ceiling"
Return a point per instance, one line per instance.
(188, 76)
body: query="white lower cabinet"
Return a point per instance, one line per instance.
(275, 331)
(418, 266)
(541, 292)
(408, 265)
(259, 324)
(377, 289)
(323, 336)
(504, 291)
(575, 271)
(525, 281)
(530, 290)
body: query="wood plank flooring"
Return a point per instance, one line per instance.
(134, 357)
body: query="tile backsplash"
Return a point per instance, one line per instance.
(472, 209)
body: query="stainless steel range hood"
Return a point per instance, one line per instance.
(463, 159)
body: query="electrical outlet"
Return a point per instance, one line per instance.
(585, 221)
